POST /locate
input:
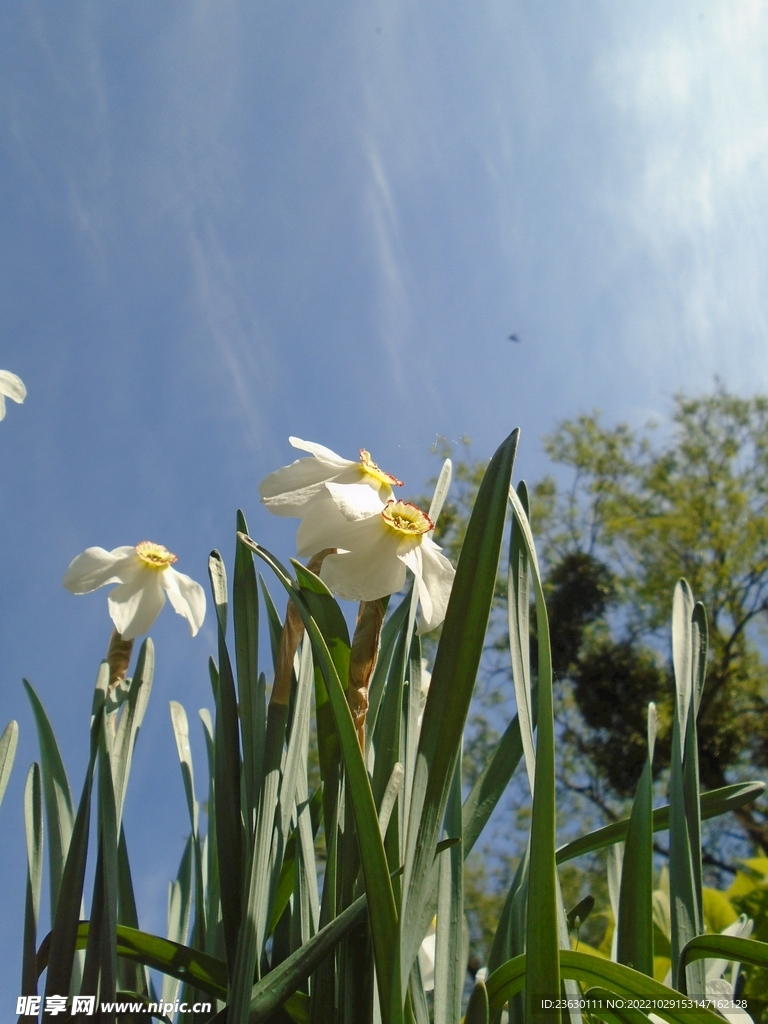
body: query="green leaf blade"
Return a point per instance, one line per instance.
(9, 741)
(381, 903)
(33, 828)
(635, 923)
(59, 811)
(453, 678)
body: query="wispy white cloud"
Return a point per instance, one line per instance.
(393, 321)
(197, 167)
(691, 104)
(232, 327)
(68, 107)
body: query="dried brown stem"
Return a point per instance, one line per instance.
(365, 650)
(290, 638)
(118, 657)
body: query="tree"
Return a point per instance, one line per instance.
(643, 508)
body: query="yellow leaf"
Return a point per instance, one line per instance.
(718, 911)
(661, 966)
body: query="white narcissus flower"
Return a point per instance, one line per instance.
(720, 987)
(145, 576)
(427, 957)
(376, 550)
(294, 489)
(11, 386)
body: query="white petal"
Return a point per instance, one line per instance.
(411, 556)
(742, 929)
(95, 567)
(301, 473)
(135, 605)
(295, 502)
(186, 596)
(321, 453)
(12, 386)
(369, 569)
(327, 527)
(427, 961)
(437, 575)
(720, 989)
(356, 501)
(320, 528)
(2, 406)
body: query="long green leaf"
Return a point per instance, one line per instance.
(180, 726)
(273, 990)
(450, 954)
(493, 779)
(518, 612)
(390, 640)
(440, 492)
(411, 711)
(713, 803)
(59, 812)
(92, 964)
(188, 965)
(682, 651)
(477, 1008)
(382, 911)
(172, 958)
(179, 907)
(333, 626)
(598, 971)
(307, 915)
(66, 919)
(227, 788)
(213, 937)
(287, 873)
(407, 734)
(509, 940)
(298, 739)
(723, 947)
(131, 717)
(273, 619)
(453, 679)
(685, 900)
(294, 792)
(181, 733)
(387, 744)
(208, 974)
(544, 904)
(100, 970)
(108, 837)
(699, 640)
(635, 919)
(130, 976)
(33, 828)
(327, 616)
(417, 997)
(8, 743)
(260, 892)
(245, 615)
(323, 999)
(600, 999)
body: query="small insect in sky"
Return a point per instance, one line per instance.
(513, 337)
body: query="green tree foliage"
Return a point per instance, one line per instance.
(634, 510)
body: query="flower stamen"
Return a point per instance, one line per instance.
(154, 556)
(406, 518)
(369, 468)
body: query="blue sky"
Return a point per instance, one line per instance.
(224, 223)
